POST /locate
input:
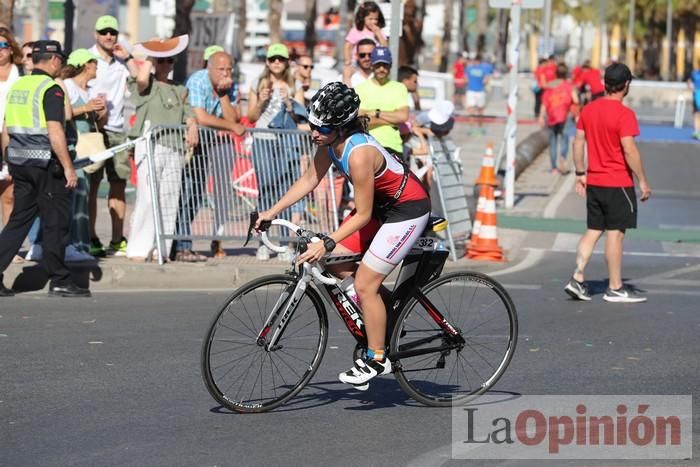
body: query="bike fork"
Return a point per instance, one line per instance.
(281, 314)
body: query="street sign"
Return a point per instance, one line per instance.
(525, 4)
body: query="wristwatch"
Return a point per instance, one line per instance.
(328, 243)
(376, 113)
(580, 174)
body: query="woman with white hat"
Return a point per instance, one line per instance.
(158, 101)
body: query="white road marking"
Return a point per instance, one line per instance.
(555, 201)
(534, 255)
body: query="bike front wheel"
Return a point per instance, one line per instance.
(238, 370)
(448, 372)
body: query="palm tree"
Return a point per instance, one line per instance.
(310, 29)
(6, 12)
(274, 16)
(446, 36)
(183, 25)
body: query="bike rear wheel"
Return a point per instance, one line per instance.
(238, 371)
(484, 315)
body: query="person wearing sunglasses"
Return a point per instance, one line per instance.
(10, 59)
(275, 167)
(114, 66)
(385, 102)
(27, 64)
(302, 78)
(158, 101)
(352, 76)
(392, 209)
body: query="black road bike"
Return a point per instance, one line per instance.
(450, 337)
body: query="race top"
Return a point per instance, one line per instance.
(388, 179)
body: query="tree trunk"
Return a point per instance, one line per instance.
(183, 25)
(274, 15)
(446, 36)
(310, 30)
(241, 15)
(6, 13)
(411, 39)
(482, 12)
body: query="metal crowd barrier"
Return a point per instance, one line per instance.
(208, 193)
(448, 195)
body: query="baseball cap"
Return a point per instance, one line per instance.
(106, 22)
(616, 74)
(80, 57)
(211, 50)
(47, 47)
(277, 50)
(441, 120)
(381, 55)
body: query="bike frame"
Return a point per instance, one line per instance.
(421, 265)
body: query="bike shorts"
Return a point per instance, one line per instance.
(388, 237)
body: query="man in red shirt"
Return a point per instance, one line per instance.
(460, 80)
(590, 82)
(558, 98)
(607, 128)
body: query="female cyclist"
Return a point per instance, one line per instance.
(392, 209)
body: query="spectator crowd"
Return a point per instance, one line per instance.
(116, 93)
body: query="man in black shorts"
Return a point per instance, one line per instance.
(607, 128)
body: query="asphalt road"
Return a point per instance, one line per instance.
(115, 379)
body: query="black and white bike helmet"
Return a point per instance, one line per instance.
(334, 105)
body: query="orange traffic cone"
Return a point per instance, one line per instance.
(485, 246)
(476, 225)
(487, 175)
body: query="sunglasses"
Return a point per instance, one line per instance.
(169, 60)
(364, 55)
(4, 45)
(29, 55)
(382, 65)
(324, 130)
(111, 32)
(277, 58)
(307, 67)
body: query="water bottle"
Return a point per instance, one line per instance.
(348, 286)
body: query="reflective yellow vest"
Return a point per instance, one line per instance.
(25, 121)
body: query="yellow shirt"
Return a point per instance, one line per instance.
(389, 97)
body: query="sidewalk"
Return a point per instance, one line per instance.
(533, 189)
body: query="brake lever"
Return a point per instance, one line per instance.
(264, 225)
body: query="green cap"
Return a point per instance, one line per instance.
(80, 57)
(277, 50)
(211, 50)
(106, 22)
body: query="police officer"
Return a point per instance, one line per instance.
(37, 153)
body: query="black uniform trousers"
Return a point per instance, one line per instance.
(39, 191)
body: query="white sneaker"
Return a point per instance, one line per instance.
(263, 253)
(35, 253)
(623, 295)
(363, 371)
(73, 255)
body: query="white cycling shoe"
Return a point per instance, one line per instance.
(363, 371)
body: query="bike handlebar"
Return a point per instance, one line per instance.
(308, 235)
